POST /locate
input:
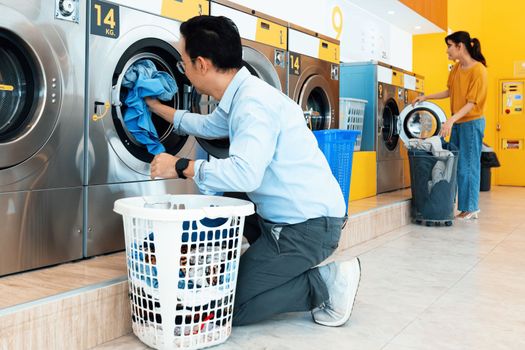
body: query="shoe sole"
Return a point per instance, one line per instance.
(349, 307)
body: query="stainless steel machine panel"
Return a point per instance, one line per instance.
(390, 103)
(117, 165)
(114, 156)
(40, 228)
(42, 64)
(316, 90)
(42, 70)
(105, 230)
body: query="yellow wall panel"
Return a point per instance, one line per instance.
(364, 175)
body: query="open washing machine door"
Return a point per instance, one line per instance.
(421, 121)
(258, 65)
(164, 56)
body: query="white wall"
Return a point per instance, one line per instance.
(363, 35)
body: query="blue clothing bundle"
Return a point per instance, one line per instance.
(143, 80)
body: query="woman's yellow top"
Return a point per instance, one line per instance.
(468, 85)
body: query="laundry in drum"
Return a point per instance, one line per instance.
(142, 79)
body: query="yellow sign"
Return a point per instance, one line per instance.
(6, 87)
(271, 34)
(328, 51)
(397, 78)
(185, 9)
(420, 85)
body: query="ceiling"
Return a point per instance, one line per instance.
(399, 15)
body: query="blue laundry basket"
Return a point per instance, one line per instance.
(338, 148)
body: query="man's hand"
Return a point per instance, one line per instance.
(163, 166)
(152, 102)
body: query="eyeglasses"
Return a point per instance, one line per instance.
(181, 67)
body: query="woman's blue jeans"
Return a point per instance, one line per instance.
(468, 137)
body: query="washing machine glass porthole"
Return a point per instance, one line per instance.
(421, 124)
(18, 86)
(389, 133)
(317, 111)
(164, 56)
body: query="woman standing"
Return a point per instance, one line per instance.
(467, 89)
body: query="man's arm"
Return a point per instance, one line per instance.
(163, 111)
(211, 126)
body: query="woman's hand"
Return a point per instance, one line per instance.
(163, 166)
(418, 99)
(446, 127)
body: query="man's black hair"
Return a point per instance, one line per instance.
(215, 38)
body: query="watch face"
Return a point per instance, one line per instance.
(180, 166)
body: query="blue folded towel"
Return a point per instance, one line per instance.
(143, 80)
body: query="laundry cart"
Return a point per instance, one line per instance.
(433, 179)
(182, 255)
(433, 164)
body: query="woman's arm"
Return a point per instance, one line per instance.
(436, 96)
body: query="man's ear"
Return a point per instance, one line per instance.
(203, 64)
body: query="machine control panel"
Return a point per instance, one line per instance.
(512, 97)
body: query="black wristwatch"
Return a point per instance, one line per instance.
(180, 166)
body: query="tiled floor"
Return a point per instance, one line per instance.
(460, 287)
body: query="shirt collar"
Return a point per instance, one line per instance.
(227, 98)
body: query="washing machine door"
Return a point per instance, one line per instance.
(388, 125)
(30, 89)
(165, 57)
(315, 101)
(258, 65)
(421, 121)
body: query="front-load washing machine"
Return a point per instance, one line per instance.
(117, 165)
(383, 87)
(264, 42)
(41, 118)
(313, 76)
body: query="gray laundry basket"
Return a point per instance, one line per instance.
(433, 203)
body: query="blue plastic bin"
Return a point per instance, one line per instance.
(338, 148)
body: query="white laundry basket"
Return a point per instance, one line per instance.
(352, 116)
(182, 255)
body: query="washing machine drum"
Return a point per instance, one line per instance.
(17, 89)
(164, 56)
(421, 121)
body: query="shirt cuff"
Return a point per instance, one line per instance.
(177, 120)
(200, 177)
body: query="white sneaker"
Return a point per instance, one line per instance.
(342, 280)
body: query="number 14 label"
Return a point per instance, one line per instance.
(105, 19)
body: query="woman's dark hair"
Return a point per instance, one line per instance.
(472, 45)
(215, 38)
